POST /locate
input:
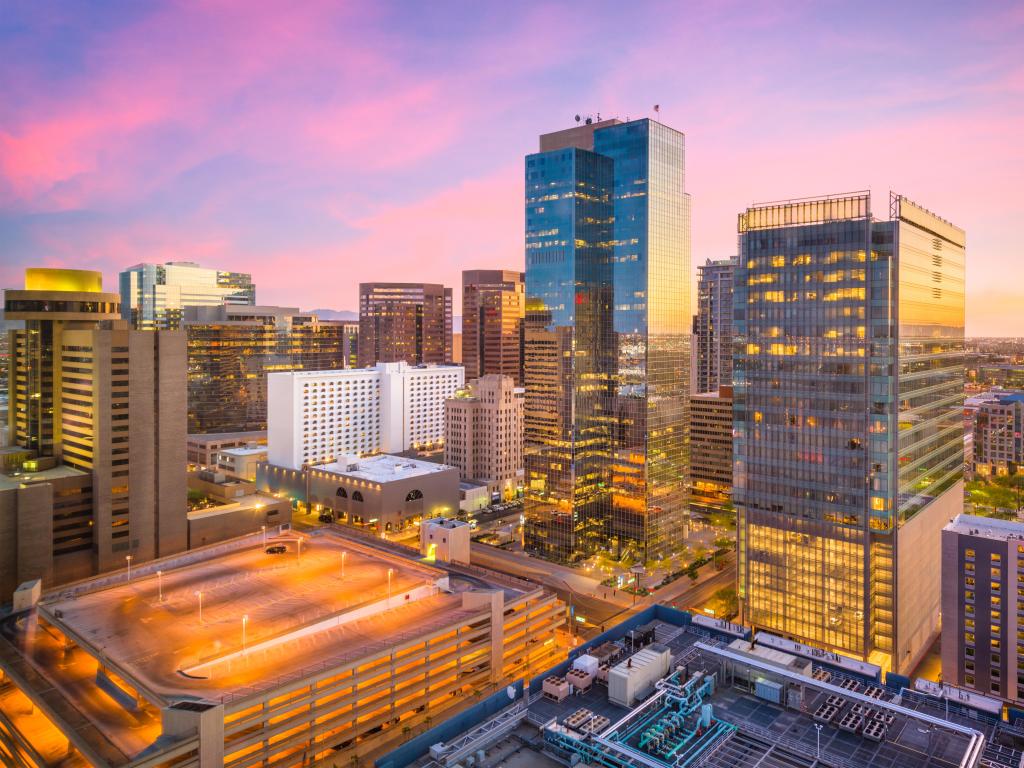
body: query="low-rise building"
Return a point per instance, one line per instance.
(317, 417)
(241, 462)
(382, 493)
(484, 434)
(202, 450)
(445, 539)
(982, 646)
(294, 651)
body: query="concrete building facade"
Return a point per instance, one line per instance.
(404, 322)
(201, 450)
(712, 326)
(982, 604)
(280, 670)
(711, 449)
(484, 434)
(999, 435)
(381, 493)
(316, 417)
(106, 481)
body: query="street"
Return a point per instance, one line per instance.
(587, 596)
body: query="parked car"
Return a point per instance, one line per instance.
(326, 517)
(276, 549)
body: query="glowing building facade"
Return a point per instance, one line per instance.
(848, 420)
(606, 350)
(493, 307)
(154, 296)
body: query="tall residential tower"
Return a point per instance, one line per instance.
(848, 420)
(606, 353)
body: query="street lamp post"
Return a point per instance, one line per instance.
(245, 620)
(343, 555)
(199, 594)
(390, 571)
(298, 550)
(129, 559)
(818, 727)
(263, 529)
(160, 586)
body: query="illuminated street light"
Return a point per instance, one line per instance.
(160, 585)
(390, 571)
(245, 620)
(129, 559)
(343, 555)
(263, 528)
(200, 596)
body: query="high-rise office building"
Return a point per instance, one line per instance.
(484, 433)
(606, 352)
(98, 425)
(981, 602)
(404, 322)
(848, 420)
(711, 449)
(231, 349)
(712, 326)
(154, 296)
(493, 308)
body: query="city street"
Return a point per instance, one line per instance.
(602, 606)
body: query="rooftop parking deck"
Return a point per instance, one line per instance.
(160, 637)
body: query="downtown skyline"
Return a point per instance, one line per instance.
(371, 145)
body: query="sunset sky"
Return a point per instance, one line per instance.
(318, 144)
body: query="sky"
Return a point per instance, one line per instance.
(320, 144)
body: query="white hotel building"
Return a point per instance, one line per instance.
(317, 417)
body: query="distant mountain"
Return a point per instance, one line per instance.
(335, 314)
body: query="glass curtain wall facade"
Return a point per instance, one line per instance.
(154, 296)
(607, 383)
(232, 349)
(567, 351)
(849, 388)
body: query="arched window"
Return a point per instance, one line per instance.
(357, 496)
(342, 493)
(413, 495)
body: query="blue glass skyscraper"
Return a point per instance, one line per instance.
(606, 347)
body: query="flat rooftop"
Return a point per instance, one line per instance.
(383, 468)
(925, 731)
(261, 449)
(217, 437)
(986, 527)
(45, 475)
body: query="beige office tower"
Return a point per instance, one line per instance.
(484, 434)
(493, 308)
(97, 418)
